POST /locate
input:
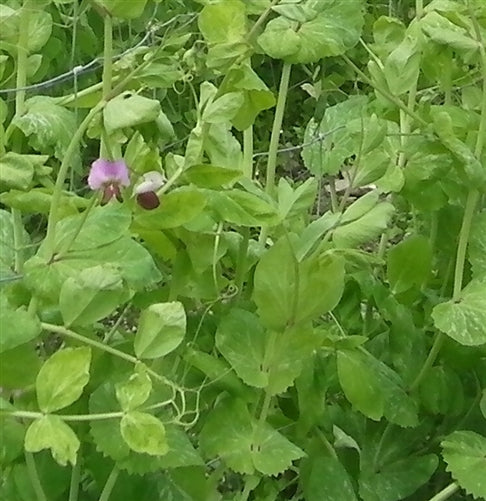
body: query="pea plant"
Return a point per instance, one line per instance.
(242, 250)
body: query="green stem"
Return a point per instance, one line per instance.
(267, 366)
(21, 82)
(34, 476)
(22, 54)
(261, 19)
(177, 174)
(429, 362)
(70, 98)
(242, 259)
(75, 478)
(277, 126)
(110, 483)
(248, 152)
(18, 226)
(471, 202)
(57, 329)
(107, 73)
(395, 100)
(445, 493)
(326, 443)
(379, 448)
(473, 195)
(419, 8)
(65, 417)
(63, 252)
(61, 177)
(214, 263)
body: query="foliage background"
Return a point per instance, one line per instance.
(304, 315)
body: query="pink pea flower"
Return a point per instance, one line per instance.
(108, 177)
(146, 190)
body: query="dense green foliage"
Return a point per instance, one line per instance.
(297, 309)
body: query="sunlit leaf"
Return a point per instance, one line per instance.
(465, 455)
(51, 432)
(62, 378)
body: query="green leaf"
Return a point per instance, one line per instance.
(39, 25)
(477, 245)
(443, 31)
(295, 202)
(409, 263)
(360, 384)
(464, 320)
(211, 176)
(161, 329)
(92, 295)
(103, 240)
(144, 433)
(242, 208)
(327, 155)
(128, 110)
(223, 22)
(334, 28)
(256, 95)
(397, 480)
(264, 359)
(134, 392)
(38, 201)
(51, 432)
(106, 435)
(17, 326)
(482, 404)
(181, 453)
(324, 477)
(223, 109)
(231, 434)
(292, 350)
(372, 167)
(294, 292)
(402, 66)
(242, 340)
(442, 392)
(360, 207)
(62, 378)
(465, 455)
(19, 367)
(177, 208)
(475, 174)
(16, 171)
(364, 229)
(218, 371)
(122, 8)
(374, 389)
(12, 436)
(50, 127)
(222, 147)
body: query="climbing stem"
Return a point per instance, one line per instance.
(107, 75)
(63, 331)
(75, 479)
(277, 126)
(34, 476)
(61, 177)
(21, 82)
(429, 362)
(471, 202)
(110, 483)
(445, 493)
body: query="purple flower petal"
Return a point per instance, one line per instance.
(104, 172)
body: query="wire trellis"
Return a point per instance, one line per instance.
(97, 62)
